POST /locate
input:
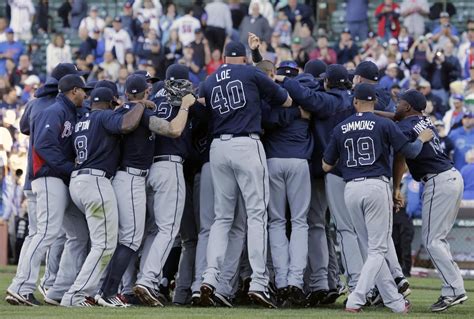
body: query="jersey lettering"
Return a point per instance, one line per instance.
(80, 144)
(365, 154)
(234, 98)
(164, 110)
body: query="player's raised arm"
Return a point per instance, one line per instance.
(176, 126)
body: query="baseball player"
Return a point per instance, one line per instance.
(130, 181)
(328, 108)
(237, 159)
(166, 188)
(96, 138)
(362, 143)
(288, 148)
(442, 194)
(53, 159)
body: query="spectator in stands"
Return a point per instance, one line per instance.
(283, 27)
(129, 22)
(453, 117)
(308, 44)
(110, 66)
(64, 14)
(467, 173)
(219, 24)
(130, 62)
(346, 49)
(466, 50)
(266, 10)
(9, 49)
(117, 40)
(36, 57)
(30, 85)
(166, 21)
(122, 78)
(92, 21)
(238, 11)
(298, 12)
(463, 139)
(356, 18)
(415, 76)
(139, 4)
(57, 52)
(414, 13)
(9, 101)
(186, 26)
(78, 12)
(405, 41)
(22, 13)
(299, 55)
(150, 49)
(25, 68)
(173, 48)
(3, 29)
(255, 23)
(151, 10)
(390, 77)
(324, 52)
(196, 72)
(201, 51)
(215, 63)
(11, 73)
(420, 51)
(42, 17)
(439, 108)
(387, 14)
(445, 32)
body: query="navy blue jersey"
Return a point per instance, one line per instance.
(432, 158)
(52, 147)
(137, 146)
(362, 143)
(234, 94)
(167, 145)
(96, 140)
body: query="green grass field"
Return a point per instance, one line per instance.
(425, 292)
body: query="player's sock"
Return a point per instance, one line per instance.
(118, 266)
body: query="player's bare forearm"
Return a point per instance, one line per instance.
(132, 118)
(388, 115)
(326, 167)
(176, 126)
(288, 102)
(399, 168)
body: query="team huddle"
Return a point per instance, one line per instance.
(274, 155)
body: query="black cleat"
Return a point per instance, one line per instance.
(297, 296)
(316, 297)
(196, 299)
(262, 298)
(444, 302)
(147, 296)
(403, 286)
(373, 297)
(331, 297)
(17, 299)
(221, 300)
(206, 295)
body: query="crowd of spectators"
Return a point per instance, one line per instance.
(415, 46)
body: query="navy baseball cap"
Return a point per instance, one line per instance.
(365, 92)
(315, 67)
(71, 81)
(103, 94)
(148, 77)
(117, 19)
(9, 30)
(235, 49)
(468, 115)
(368, 70)
(135, 84)
(107, 84)
(63, 69)
(288, 68)
(177, 72)
(415, 99)
(336, 73)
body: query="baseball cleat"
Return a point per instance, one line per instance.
(52, 302)
(262, 298)
(206, 295)
(407, 306)
(88, 302)
(27, 300)
(331, 297)
(353, 310)
(12, 300)
(316, 297)
(110, 302)
(147, 296)
(444, 302)
(373, 297)
(403, 286)
(222, 300)
(42, 290)
(196, 298)
(297, 296)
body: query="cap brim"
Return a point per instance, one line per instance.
(152, 79)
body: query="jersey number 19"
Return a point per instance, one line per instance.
(363, 153)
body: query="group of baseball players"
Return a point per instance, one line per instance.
(247, 170)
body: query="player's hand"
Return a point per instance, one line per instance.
(188, 100)
(201, 100)
(426, 135)
(253, 41)
(148, 104)
(305, 115)
(398, 200)
(279, 78)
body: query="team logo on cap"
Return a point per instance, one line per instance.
(370, 98)
(96, 98)
(233, 53)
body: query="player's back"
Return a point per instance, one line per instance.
(364, 141)
(96, 138)
(234, 93)
(432, 158)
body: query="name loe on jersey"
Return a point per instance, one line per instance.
(357, 126)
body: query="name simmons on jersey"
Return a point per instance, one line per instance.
(358, 126)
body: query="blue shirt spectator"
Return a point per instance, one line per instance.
(463, 138)
(9, 49)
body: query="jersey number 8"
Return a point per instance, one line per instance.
(363, 154)
(234, 99)
(80, 144)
